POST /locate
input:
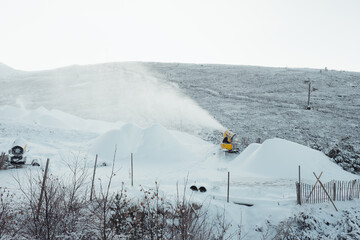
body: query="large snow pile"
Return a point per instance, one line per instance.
(158, 152)
(152, 147)
(279, 158)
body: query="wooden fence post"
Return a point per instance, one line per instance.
(352, 195)
(42, 188)
(93, 178)
(228, 187)
(132, 170)
(298, 189)
(298, 194)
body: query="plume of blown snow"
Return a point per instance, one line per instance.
(125, 92)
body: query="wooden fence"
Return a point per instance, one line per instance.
(337, 190)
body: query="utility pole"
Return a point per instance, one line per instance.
(308, 105)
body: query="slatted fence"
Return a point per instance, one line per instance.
(337, 190)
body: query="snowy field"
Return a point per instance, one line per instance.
(260, 102)
(164, 113)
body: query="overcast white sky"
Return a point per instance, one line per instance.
(43, 34)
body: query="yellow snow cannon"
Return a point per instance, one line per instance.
(230, 143)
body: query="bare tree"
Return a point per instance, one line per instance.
(8, 213)
(100, 207)
(62, 212)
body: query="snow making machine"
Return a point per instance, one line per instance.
(17, 156)
(229, 142)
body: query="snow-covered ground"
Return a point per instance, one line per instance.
(54, 112)
(263, 175)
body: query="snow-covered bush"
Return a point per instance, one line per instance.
(345, 155)
(67, 213)
(62, 213)
(8, 213)
(343, 152)
(121, 214)
(154, 217)
(319, 224)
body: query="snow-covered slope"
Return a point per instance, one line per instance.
(255, 102)
(145, 108)
(259, 103)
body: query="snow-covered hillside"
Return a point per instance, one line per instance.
(260, 103)
(257, 103)
(161, 113)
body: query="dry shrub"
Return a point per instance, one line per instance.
(154, 217)
(66, 212)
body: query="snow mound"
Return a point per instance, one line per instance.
(154, 146)
(40, 116)
(9, 112)
(44, 117)
(126, 139)
(55, 119)
(157, 137)
(278, 158)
